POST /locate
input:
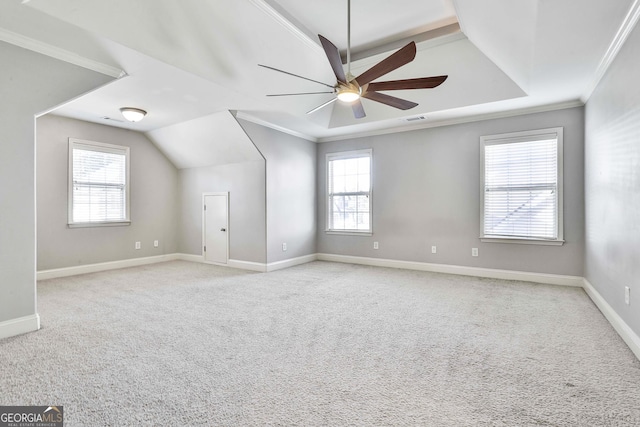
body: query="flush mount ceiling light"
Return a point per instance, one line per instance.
(133, 114)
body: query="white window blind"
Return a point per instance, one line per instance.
(522, 185)
(349, 191)
(98, 189)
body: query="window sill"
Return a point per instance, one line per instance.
(98, 224)
(522, 241)
(349, 233)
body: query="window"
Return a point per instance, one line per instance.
(349, 192)
(522, 187)
(98, 184)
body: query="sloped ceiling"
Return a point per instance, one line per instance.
(216, 139)
(193, 58)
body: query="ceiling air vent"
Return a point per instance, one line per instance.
(414, 119)
(111, 119)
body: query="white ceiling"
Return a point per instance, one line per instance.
(191, 58)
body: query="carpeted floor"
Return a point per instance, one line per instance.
(320, 344)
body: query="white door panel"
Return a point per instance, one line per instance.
(216, 224)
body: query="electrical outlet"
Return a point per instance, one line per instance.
(137, 245)
(155, 243)
(284, 247)
(627, 294)
(474, 251)
(375, 245)
(433, 249)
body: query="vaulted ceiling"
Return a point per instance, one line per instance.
(181, 60)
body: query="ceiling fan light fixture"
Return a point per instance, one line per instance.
(133, 114)
(349, 95)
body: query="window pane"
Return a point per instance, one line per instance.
(339, 167)
(363, 204)
(350, 221)
(351, 183)
(338, 221)
(363, 221)
(351, 203)
(363, 182)
(338, 184)
(338, 204)
(351, 166)
(363, 165)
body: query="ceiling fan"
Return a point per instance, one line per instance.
(350, 89)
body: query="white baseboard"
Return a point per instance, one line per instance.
(279, 265)
(621, 327)
(114, 265)
(273, 266)
(103, 266)
(18, 326)
(189, 257)
(550, 279)
(247, 265)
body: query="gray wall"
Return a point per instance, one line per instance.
(426, 191)
(30, 83)
(291, 191)
(154, 189)
(612, 184)
(245, 183)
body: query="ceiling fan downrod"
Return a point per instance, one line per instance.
(349, 76)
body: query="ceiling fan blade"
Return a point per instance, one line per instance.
(397, 60)
(323, 105)
(358, 109)
(390, 100)
(294, 94)
(421, 83)
(294, 75)
(333, 55)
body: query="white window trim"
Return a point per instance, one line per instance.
(512, 137)
(349, 155)
(106, 148)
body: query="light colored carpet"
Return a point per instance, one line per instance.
(319, 344)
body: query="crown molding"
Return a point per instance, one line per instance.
(627, 26)
(278, 15)
(459, 120)
(422, 125)
(58, 53)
